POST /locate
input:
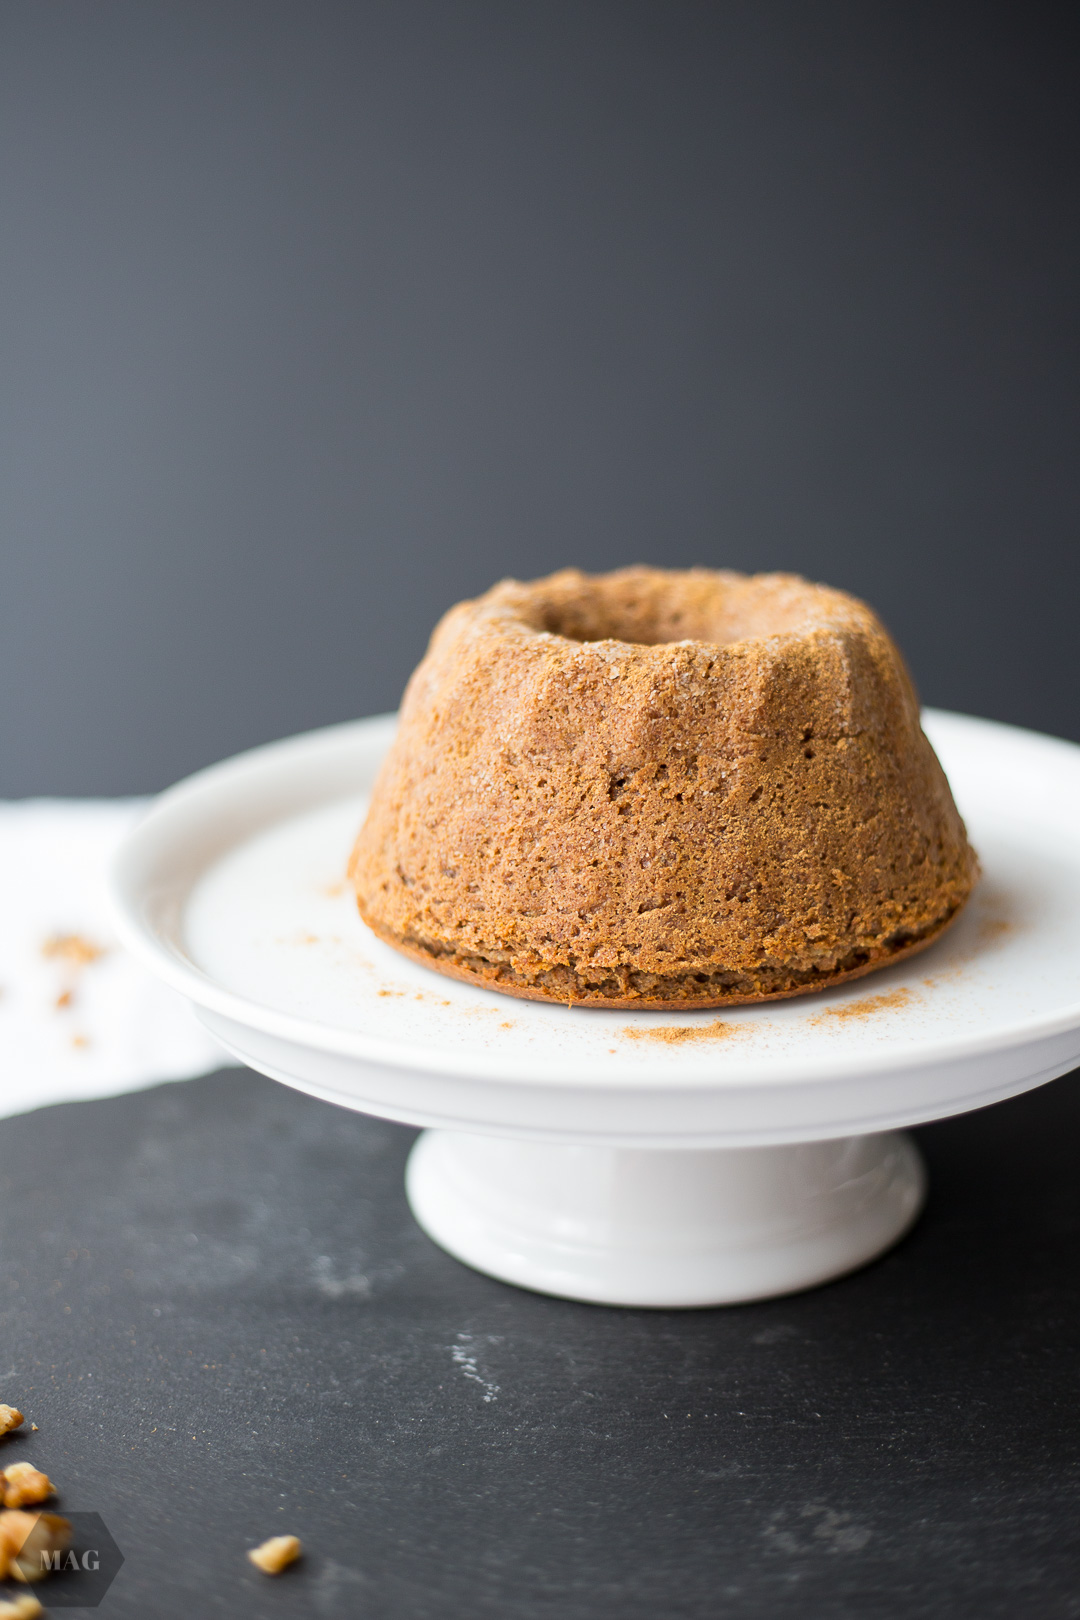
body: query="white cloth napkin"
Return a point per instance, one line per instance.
(79, 1017)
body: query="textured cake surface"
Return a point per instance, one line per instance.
(652, 788)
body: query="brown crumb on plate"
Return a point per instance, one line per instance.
(678, 1034)
(276, 1554)
(992, 928)
(869, 1005)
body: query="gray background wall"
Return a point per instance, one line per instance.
(318, 316)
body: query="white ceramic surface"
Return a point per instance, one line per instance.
(665, 1227)
(232, 889)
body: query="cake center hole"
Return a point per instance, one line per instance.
(653, 609)
(640, 623)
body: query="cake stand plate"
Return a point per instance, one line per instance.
(650, 1158)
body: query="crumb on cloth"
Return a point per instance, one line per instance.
(276, 1554)
(75, 949)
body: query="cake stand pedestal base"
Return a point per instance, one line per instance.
(664, 1227)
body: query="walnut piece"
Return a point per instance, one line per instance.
(30, 1543)
(23, 1607)
(23, 1484)
(10, 1418)
(276, 1554)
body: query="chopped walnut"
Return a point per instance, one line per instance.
(22, 1484)
(30, 1543)
(10, 1418)
(23, 1607)
(276, 1554)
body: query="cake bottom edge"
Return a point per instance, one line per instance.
(568, 991)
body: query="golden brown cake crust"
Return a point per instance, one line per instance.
(660, 789)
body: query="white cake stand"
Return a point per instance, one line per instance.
(656, 1159)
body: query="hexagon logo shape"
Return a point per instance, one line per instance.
(78, 1576)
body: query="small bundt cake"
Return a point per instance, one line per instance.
(660, 789)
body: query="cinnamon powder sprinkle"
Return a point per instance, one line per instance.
(869, 1005)
(679, 1034)
(993, 928)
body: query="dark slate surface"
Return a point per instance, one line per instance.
(217, 1308)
